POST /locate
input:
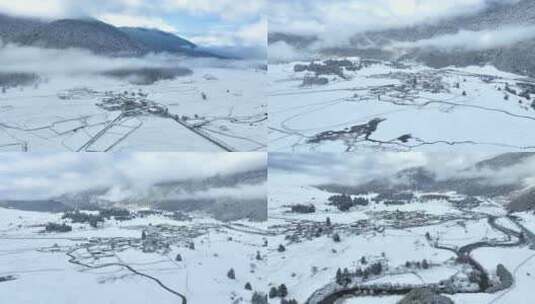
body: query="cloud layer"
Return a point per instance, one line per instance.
(335, 21)
(40, 176)
(355, 169)
(236, 21)
(474, 40)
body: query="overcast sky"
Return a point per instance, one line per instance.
(206, 22)
(337, 19)
(356, 168)
(37, 175)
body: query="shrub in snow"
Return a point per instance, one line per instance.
(231, 275)
(259, 298)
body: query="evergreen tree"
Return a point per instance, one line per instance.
(336, 237)
(231, 275)
(259, 298)
(178, 258)
(283, 291)
(425, 264)
(281, 248)
(376, 268)
(339, 276)
(258, 256)
(273, 292)
(248, 286)
(328, 221)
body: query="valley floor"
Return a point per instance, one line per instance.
(400, 238)
(110, 264)
(383, 106)
(212, 110)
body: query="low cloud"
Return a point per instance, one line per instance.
(355, 169)
(225, 9)
(315, 169)
(282, 52)
(42, 176)
(244, 192)
(28, 59)
(334, 22)
(137, 21)
(473, 40)
(77, 62)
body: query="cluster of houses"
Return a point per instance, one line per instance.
(132, 105)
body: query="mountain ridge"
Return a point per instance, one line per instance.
(96, 36)
(516, 57)
(521, 197)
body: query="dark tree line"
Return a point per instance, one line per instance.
(281, 291)
(82, 217)
(344, 277)
(344, 202)
(424, 264)
(117, 213)
(53, 227)
(300, 208)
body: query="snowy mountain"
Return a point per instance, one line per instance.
(504, 160)
(525, 200)
(417, 42)
(476, 180)
(158, 41)
(226, 197)
(94, 35)
(11, 27)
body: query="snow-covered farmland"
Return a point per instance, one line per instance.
(213, 109)
(112, 264)
(353, 105)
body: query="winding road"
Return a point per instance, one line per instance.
(73, 260)
(462, 252)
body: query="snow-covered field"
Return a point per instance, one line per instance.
(111, 263)
(62, 114)
(43, 274)
(311, 257)
(451, 109)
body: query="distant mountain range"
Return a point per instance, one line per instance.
(517, 57)
(476, 180)
(180, 195)
(96, 36)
